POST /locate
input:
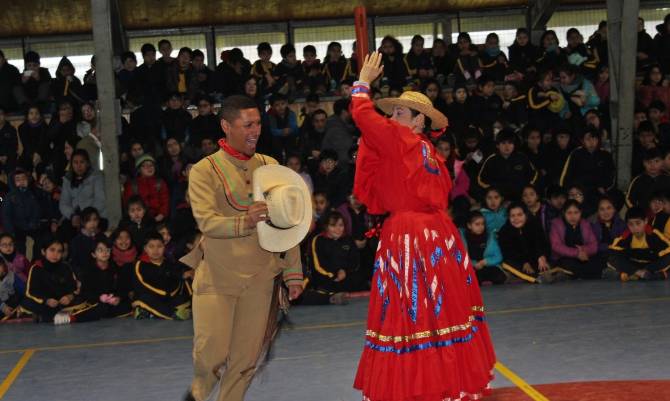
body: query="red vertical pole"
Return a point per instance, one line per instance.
(361, 25)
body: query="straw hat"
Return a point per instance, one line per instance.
(415, 101)
(289, 207)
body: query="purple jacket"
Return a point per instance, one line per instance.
(557, 237)
(618, 227)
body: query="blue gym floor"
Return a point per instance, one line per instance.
(567, 332)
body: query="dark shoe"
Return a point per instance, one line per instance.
(610, 274)
(339, 299)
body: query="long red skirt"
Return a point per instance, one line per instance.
(427, 339)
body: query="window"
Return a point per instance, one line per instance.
(14, 56)
(79, 53)
(405, 32)
(195, 41)
(320, 37)
(248, 42)
(479, 27)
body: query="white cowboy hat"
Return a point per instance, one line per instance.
(289, 207)
(415, 101)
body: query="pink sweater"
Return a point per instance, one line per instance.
(557, 237)
(461, 184)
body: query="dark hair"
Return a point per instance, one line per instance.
(647, 75)
(636, 213)
(331, 45)
(88, 213)
(417, 38)
(646, 126)
(485, 79)
(146, 48)
(31, 57)
(570, 69)
(332, 218)
(164, 42)
(464, 35)
(264, 47)
(572, 31)
(554, 191)
(473, 215)
(592, 133)
(136, 200)
(531, 186)
(197, 53)
(152, 236)
(50, 240)
(102, 240)
(286, 50)
(309, 49)
(231, 106)
(312, 97)
(278, 97)
(128, 55)
(493, 35)
(570, 203)
(547, 33)
(6, 235)
(319, 111)
(328, 154)
(115, 235)
(430, 81)
(493, 189)
(185, 50)
(517, 205)
(341, 105)
(83, 153)
(651, 154)
(658, 105)
(162, 225)
(506, 135)
(602, 24)
(522, 30)
(660, 194)
(396, 44)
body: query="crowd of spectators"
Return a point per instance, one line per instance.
(528, 148)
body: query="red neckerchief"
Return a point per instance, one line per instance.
(229, 149)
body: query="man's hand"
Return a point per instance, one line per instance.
(372, 68)
(527, 268)
(294, 291)
(258, 211)
(52, 303)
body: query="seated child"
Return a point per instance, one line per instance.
(334, 261)
(483, 249)
(640, 253)
(653, 179)
(52, 293)
(124, 251)
(574, 247)
(137, 222)
(105, 286)
(494, 213)
(607, 226)
(524, 247)
(83, 244)
(16, 262)
(158, 284)
(660, 209)
(170, 246)
(11, 289)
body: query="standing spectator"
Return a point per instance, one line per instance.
(9, 145)
(202, 78)
(483, 250)
(646, 51)
(523, 54)
(9, 78)
(592, 169)
(312, 71)
(152, 189)
(662, 44)
(32, 134)
(340, 132)
(165, 48)
(283, 125)
(492, 60)
(16, 261)
(395, 70)
(90, 86)
(652, 180)
(418, 61)
(175, 121)
(180, 76)
(334, 66)
(467, 62)
(551, 54)
(264, 69)
(443, 62)
(289, 71)
(21, 214)
(35, 83)
(150, 78)
(82, 187)
(524, 247)
(574, 246)
(128, 74)
(507, 169)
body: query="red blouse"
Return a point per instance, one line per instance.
(396, 169)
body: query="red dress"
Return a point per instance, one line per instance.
(426, 339)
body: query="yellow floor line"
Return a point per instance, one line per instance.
(9, 380)
(328, 326)
(520, 383)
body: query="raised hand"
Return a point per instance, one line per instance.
(372, 68)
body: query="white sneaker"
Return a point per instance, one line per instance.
(61, 318)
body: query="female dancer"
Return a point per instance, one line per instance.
(426, 337)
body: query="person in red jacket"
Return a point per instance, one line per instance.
(152, 189)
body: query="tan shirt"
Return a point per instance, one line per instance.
(220, 191)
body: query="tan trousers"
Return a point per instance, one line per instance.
(229, 330)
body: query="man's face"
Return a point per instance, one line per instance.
(21, 181)
(149, 57)
(280, 107)
(488, 88)
(319, 122)
(175, 103)
(637, 226)
(265, 55)
(173, 147)
(165, 49)
(591, 143)
(204, 108)
(243, 132)
(198, 63)
(155, 250)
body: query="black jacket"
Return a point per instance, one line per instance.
(657, 246)
(161, 280)
(521, 58)
(9, 78)
(330, 255)
(509, 175)
(50, 280)
(208, 126)
(588, 170)
(643, 187)
(113, 280)
(333, 184)
(486, 110)
(176, 124)
(524, 245)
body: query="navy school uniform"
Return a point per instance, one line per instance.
(159, 288)
(509, 174)
(650, 252)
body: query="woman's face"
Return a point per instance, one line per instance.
(79, 165)
(606, 211)
(461, 95)
(655, 75)
(336, 229)
(403, 115)
(444, 148)
(522, 39)
(34, 115)
(388, 48)
(53, 253)
(550, 40)
(129, 64)
(251, 88)
(123, 241)
(573, 215)
(563, 140)
(477, 226)
(493, 200)
(534, 139)
(517, 217)
(432, 91)
(529, 197)
(87, 112)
